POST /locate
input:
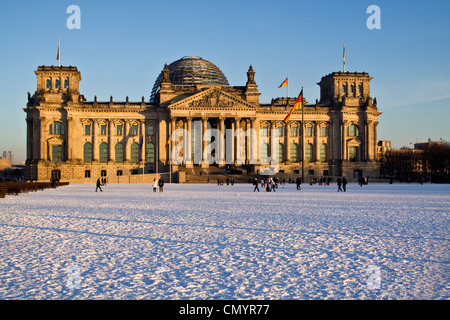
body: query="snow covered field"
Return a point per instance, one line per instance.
(226, 242)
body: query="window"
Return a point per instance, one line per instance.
(280, 131)
(118, 150)
(343, 88)
(323, 152)
(87, 173)
(265, 131)
(87, 129)
(134, 130)
(57, 153)
(48, 84)
(280, 152)
(360, 89)
(134, 155)
(56, 128)
(103, 129)
(87, 152)
(295, 131)
(352, 152)
(264, 153)
(150, 130)
(352, 88)
(103, 173)
(119, 173)
(323, 131)
(119, 130)
(353, 130)
(309, 131)
(58, 84)
(308, 153)
(66, 84)
(294, 152)
(150, 154)
(103, 152)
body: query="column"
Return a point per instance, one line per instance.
(111, 153)
(316, 141)
(171, 143)
(237, 142)
(221, 142)
(273, 143)
(142, 136)
(205, 162)
(29, 139)
(188, 144)
(254, 140)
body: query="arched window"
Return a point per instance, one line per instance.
(309, 152)
(58, 84)
(343, 88)
(150, 153)
(280, 152)
(353, 130)
(87, 152)
(134, 155)
(118, 150)
(56, 128)
(294, 152)
(323, 152)
(66, 84)
(48, 84)
(360, 89)
(103, 152)
(264, 153)
(352, 88)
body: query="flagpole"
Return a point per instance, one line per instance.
(343, 58)
(59, 52)
(303, 140)
(287, 88)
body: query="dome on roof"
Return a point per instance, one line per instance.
(190, 71)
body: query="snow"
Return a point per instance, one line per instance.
(226, 242)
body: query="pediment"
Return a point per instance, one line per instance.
(212, 99)
(55, 140)
(354, 142)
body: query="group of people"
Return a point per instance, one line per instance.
(158, 183)
(269, 183)
(228, 181)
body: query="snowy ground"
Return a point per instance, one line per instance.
(226, 242)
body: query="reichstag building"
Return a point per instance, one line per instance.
(195, 121)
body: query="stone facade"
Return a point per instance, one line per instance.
(78, 140)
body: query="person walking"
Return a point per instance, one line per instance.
(161, 184)
(339, 183)
(299, 183)
(344, 184)
(98, 184)
(255, 183)
(155, 184)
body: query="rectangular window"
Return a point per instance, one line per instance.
(294, 131)
(280, 131)
(66, 84)
(150, 130)
(352, 153)
(265, 131)
(119, 172)
(56, 153)
(87, 129)
(134, 130)
(323, 131)
(309, 131)
(103, 129)
(87, 173)
(119, 130)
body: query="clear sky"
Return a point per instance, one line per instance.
(122, 47)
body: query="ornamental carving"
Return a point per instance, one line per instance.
(213, 100)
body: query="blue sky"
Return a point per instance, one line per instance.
(123, 45)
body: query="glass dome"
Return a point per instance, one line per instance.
(191, 71)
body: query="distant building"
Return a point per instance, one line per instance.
(383, 146)
(8, 155)
(422, 145)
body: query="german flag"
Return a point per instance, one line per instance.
(168, 142)
(285, 83)
(298, 105)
